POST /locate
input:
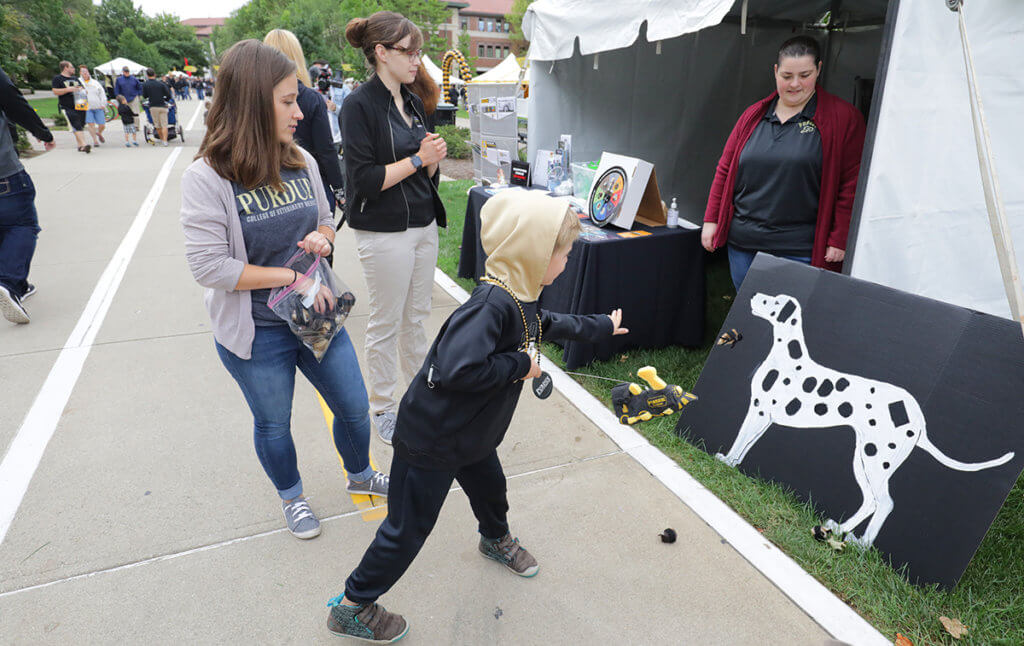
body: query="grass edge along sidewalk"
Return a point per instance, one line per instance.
(990, 597)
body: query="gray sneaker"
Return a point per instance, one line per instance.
(377, 485)
(11, 307)
(369, 622)
(302, 522)
(385, 423)
(507, 551)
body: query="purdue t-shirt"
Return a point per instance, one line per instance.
(272, 223)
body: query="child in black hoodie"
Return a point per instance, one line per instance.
(127, 121)
(460, 404)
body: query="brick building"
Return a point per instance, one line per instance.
(484, 21)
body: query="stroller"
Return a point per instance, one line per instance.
(174, 128)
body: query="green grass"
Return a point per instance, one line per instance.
(990, 596)
(461, 112)
(45, 106)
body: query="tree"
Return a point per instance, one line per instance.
(515, 18)
(129, 45)
(114, 16)
(320, 25)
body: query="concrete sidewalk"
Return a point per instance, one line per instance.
(149, 519)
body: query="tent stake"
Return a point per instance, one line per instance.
(743, 18)
(990, 180)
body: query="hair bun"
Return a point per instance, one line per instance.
(355, 32)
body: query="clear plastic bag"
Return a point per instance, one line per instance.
(316, 305)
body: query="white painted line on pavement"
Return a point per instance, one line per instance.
(192, 121)
(26, 450)
(828, 610)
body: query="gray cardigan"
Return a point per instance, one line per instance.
(215, 249)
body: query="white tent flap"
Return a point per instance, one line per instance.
(552, 26)
(924, 227)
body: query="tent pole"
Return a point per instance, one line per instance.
(990, 179)
(833, 16)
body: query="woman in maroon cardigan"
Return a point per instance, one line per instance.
(786, 179)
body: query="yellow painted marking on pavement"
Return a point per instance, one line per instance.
(372, 507)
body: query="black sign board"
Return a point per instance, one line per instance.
(901, 417)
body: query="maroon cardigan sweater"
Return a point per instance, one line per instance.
(842, 140)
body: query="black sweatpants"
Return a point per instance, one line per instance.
(415, 497)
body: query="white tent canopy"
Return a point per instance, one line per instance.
(673, 76)
(435, 72)
(113, 68)
(507, 71)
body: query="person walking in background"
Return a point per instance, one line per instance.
(199, 89)
(96, 114)
(128, 122)
(314, 131)
(786, 180)
(19, 222)
(391, 168)
(131, 89)
(159, 97)
(247, 200)
(65, 86)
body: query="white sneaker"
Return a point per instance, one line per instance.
(385, 423)
(11, 307)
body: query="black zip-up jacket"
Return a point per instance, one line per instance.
(461, 402)
(314, 134)
(369, 147)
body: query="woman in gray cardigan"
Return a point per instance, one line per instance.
(250, 198)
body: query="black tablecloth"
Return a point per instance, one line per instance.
(657, 280)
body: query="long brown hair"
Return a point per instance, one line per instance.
(424, 87)
(241, 141)
(382, 28)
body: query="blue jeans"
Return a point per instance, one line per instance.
(267, 381)
(740, 260)
(19, 226)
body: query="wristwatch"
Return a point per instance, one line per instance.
(417, 163)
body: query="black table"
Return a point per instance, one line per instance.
(657, 280)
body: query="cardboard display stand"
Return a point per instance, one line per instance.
(494, 128)
(898, 416)
(640, 198)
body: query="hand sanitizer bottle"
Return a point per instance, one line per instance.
(673, 215)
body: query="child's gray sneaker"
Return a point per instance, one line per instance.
(302, 522)
(385, 423)
(369, 622)
(377, 485)
(507, 551)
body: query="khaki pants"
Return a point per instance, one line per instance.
(399, 272)
(136, 106)
(159, 117)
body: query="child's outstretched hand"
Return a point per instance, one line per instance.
(616, 317)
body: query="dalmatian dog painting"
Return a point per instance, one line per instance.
(790, 389)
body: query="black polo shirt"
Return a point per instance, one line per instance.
(416, 187)
(778, 182)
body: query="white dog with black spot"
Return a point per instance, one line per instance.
(790, 389)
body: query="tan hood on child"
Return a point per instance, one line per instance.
(518, 229)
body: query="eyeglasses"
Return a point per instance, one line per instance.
(412, 54)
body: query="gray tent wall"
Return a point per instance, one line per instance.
(676, 109)
(920, 222)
